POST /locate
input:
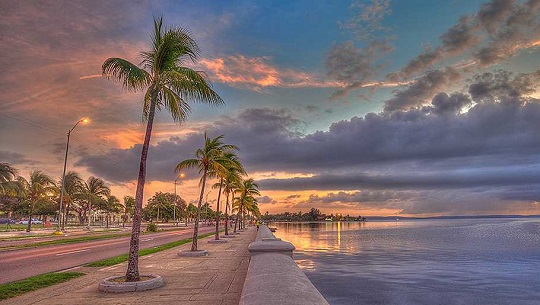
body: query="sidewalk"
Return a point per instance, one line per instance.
(216, 279)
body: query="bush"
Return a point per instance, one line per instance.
(151, 227)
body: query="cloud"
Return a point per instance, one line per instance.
(354, 66)
(368, 18)
(458, 141)
(265, 200)
(423, 89)
(499, 30)
(256, 73)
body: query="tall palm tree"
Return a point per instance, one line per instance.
(247, 188)
(94, 192)
(233, 171)
(209, 160)
(40, 188)
(167, 84)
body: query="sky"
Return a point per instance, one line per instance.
(373, 107)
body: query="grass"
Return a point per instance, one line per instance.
(124, 257)
(63, 241)
(19, 227)
(16, 288)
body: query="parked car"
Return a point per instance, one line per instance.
(4, 221)
(34, 222)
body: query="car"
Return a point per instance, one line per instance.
(34, 222)
(6, 221)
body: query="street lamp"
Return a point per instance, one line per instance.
(60, 216)
(182, 175)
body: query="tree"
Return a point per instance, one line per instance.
(228, 180)
(110, 205)
(129, 203)
(248, 188)
(93, 193)
(40, 188)
(232, 166)
(167, 84)
(8, 180)
(73, 187)
(209, 160)
(161, 206)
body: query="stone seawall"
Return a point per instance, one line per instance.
(273, 277)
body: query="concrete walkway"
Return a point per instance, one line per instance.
(216, 279)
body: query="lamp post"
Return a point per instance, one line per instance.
(61, 223)
(182, 175)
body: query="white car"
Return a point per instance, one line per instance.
(34, 222)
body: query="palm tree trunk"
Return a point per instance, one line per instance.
(239, 212)
(132, 273)
(227, 215)
(29, 226)
(236, 221)
(196, 227)
(217, 209)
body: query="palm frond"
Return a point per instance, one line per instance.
(177, 107)
(131, 76)
(191, 85)
(187, 164)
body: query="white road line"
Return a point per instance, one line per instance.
(147, 239)
(71, 252)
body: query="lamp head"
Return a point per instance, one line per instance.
(85, 120)
(182, 175)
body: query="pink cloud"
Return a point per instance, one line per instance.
(256, 73)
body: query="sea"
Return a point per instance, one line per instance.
(405, 262)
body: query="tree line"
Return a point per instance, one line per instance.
(313, 215)
(39, 196)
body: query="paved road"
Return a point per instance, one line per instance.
(20, 264)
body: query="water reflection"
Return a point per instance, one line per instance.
(488, 261)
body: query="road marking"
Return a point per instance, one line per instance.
(72, 252)
(147, 239)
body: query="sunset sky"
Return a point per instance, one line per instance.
(371, 107)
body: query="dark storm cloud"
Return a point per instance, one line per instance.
(473, 178)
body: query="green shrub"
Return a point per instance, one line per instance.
(151, 227)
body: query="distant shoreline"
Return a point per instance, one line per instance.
(393, 218)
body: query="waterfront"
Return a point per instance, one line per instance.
(466, 261)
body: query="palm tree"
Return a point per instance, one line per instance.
(234, 170)
(39, 188)
(247, 188)
(73, 188)
(112, 204)
(167, 84)
(129, 203)
(94, 192)
(8, 179)
(209, 160)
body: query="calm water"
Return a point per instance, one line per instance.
(479, 261)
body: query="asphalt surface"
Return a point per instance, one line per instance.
(20, 264)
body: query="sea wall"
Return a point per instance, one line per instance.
(273, 277)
